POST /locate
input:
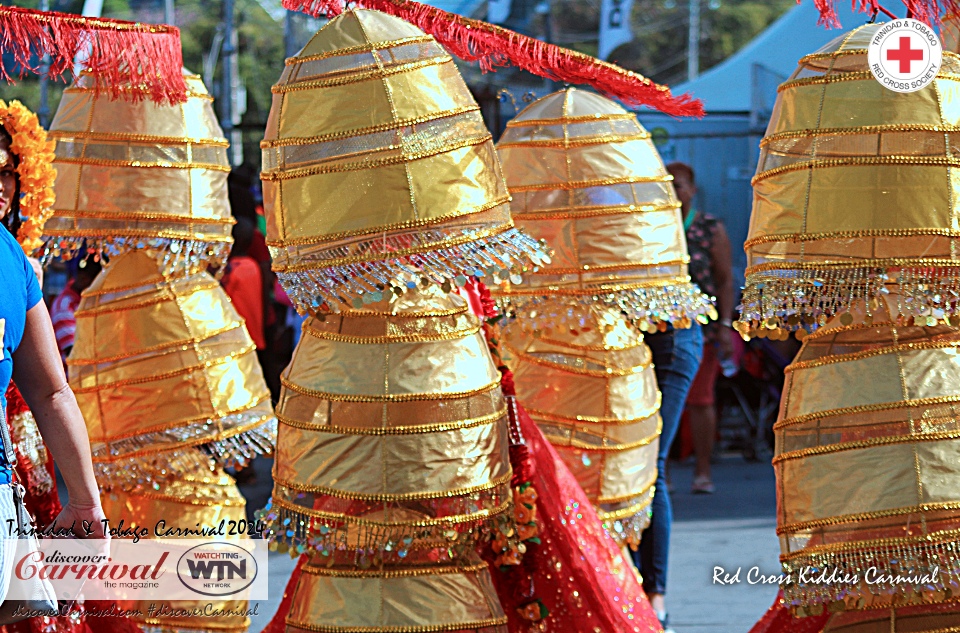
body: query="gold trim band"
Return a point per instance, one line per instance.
(439, 427)
(394, 497)
(406, 397)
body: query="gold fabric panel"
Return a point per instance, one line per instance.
(593, 393)
(593, 187)
(456, 181)
(460, 598)
(855, 194)
(913, 618)
(160, 364)
(197, 497)
(154, 357)
(379, 173)
(861, 470)
(393, 426)
(127, 171)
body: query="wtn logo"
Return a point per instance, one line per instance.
(225, 569)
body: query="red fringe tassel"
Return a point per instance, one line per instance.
(129, 59)
(492, 46)
(929, 11)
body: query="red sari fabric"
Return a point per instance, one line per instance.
(778, 619)
(583, 579)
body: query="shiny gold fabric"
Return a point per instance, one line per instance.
(161, 364)
(393, 430)
(458, 597)
(586, 178)
(198, 496)
(856, 190)
(132, 174)
(868, 464)
(376, 155)
(593, 392)
(938, 618)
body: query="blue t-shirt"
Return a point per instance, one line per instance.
(19, 292)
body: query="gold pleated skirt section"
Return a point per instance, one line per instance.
(868, 468)
(419, 597)
(392, 459)
(592, 390)
(199, 497)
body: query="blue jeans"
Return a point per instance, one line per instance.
(676, 358)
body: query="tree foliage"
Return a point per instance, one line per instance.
(660, 28)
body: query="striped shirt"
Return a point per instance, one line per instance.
(64, 323)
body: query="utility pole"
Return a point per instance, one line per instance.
(693, 41)
(43, 113)
(229, 83)
(289, 35)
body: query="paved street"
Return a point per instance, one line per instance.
(732, 528)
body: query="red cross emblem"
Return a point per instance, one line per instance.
(905, 55)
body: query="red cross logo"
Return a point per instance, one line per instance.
(905, 55)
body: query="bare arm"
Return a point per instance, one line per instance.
(38, 372)
(721, 265)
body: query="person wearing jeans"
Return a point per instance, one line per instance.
(676, 358)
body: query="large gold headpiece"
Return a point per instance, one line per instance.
(162, 367)
(855, 195)
(586, 178)
(136, 174)
(379, 173)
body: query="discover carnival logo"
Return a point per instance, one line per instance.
(217, 569)
(905, 55)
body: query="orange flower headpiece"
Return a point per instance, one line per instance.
(35, 170)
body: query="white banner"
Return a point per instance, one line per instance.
(498, 11)
(146, 569)
(614, 25)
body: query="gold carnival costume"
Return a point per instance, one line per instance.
(163, 367)
(383, 193)
(586, 178)
(853, 245)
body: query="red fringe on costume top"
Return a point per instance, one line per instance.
(43, 503)
(133, 60)
(491, 46)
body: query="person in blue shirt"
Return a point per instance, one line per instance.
(31, 358)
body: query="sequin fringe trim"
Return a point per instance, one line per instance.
(795, 299)
(157, 457)
(175, 255)
(887, 575)
(366, 543)
(627, 531)
(649, 308)
(354, 284)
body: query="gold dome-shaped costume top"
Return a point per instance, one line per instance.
(592, 391)
(379, 173)
(136, 174)
(856, 193)
(161, 366)
(586, 178)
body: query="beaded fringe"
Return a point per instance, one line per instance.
(777, 301)
(174, 255)
(627, 531)
(649, 308)
(867, 579)
(150, 463)
(503, 257)
(295, 532)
